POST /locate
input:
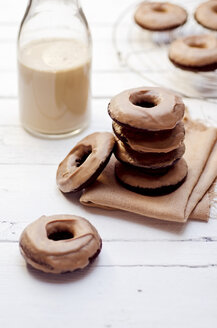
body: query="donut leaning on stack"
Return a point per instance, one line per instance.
(149, 140)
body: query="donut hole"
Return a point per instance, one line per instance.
(215, 9)
(143, 99)
(59, 231)
(60, 235)
(159, 9)
(197, 44)
(86, 151)
(200, 45)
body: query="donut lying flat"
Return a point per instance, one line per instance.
(197, 52)
(147, 160)
(206, 14)
(160, 16)
(155, 142)
(60, 243)
(85, 162)
(139, 182)
(147, 108)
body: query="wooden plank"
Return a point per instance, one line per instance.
(10, 113)
(19, 147)
(198, 109)
(105, 84)
(107, 296)
(25, 197)
(112, 225)
(139, 254)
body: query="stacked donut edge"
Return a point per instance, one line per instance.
(149, 133)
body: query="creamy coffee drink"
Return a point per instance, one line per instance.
(54, 86)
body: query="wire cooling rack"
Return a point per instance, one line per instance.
(146, 53)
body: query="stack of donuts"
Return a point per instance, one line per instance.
(147, 123)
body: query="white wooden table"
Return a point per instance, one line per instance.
(149, 273)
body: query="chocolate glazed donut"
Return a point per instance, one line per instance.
(160, 16)
(206, 14)
(153, 142)
(60, 243)
(147, 108)
(147, 160)
(145, 184)
(85, 162)
(195, 52)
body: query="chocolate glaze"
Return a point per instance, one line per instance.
(149, 141)
(59, 255)
(195, 52)
(85, 162)
(147, 160)
(139, 182)
(147, 108)
(205, 68)
(206, 14)
(160, 16)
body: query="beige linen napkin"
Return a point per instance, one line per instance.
(191, 199)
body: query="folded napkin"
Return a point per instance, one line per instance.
(191, 200)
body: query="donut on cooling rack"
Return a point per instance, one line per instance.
(160, 16)
(206, 14)
(197, 52)
(60, 243)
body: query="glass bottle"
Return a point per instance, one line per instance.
(54, 65)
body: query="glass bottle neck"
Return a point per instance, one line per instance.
(49, 19)
(67, 2)
(35, 3)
